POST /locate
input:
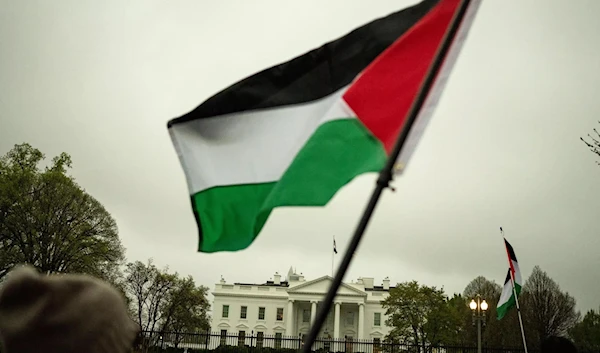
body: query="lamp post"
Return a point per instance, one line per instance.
(479, 307)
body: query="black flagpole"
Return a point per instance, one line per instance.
(386, 174)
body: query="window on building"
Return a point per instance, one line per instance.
(306, 316)
(225, 311)
(278, 337)
(279, 314)
(377, 319)
(243, 312)
(223, 337)
(349, 319)
(260, 336)
(241, 338)
(376, 345)
(261, 313)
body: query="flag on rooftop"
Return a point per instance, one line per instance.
(507, 298)
(295, 133)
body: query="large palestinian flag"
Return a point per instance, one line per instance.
(294, 134)
(507, 298)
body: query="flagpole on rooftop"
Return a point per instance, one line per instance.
(333, 256)
(386, 174)
(512, 281)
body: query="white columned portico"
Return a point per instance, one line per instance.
(336, 322)
(313, 311)
(361, 320)
(290, 318)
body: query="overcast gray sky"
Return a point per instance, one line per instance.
(100, 79)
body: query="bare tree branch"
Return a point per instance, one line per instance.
(594, 143)
(548, 311)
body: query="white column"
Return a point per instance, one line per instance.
(336, 322)
(361, 321)
(290, 318)
(313, 311)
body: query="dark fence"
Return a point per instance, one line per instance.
(259, 342)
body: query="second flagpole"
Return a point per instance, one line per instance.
(512, 281)
(333, 256)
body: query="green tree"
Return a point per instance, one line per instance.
(586, 334)
(460, 333)
(547, 310)
(418, 314)
(186, 309)
(47, 220)
(593, 143)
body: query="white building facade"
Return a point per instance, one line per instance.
(287, 308)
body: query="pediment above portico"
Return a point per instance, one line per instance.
(321, 286)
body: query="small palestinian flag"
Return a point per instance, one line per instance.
(507, 298)
(294, 134)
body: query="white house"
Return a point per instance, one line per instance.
(287, 307)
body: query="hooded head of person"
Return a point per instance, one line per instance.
(556, 344)
(62, 313)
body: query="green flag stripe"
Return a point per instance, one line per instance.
(339, 150)
(504, 308)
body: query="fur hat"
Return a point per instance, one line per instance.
(62, 314)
